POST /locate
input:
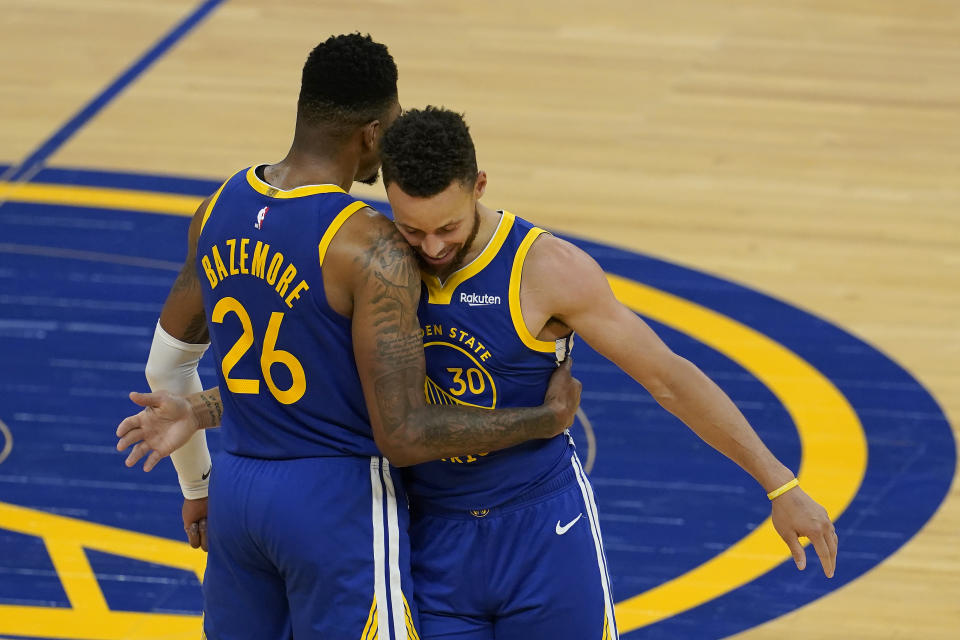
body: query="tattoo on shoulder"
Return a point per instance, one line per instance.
(390, 268)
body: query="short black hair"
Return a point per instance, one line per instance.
(348, 80)
(425, 150)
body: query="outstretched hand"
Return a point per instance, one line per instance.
(796, 514)
(166, 423)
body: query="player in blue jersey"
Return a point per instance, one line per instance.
(308, 299)
(521, 523)
(506, 544)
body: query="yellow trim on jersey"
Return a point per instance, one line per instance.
(514, 297)
(370, 629)
(331, 231)
(213, 201)
(442, 293)
(411, 628)
(299, 192)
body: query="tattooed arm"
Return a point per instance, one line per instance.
(370, 274)
(166, 423)
(381, 279)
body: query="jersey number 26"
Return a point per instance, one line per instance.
(268, 358)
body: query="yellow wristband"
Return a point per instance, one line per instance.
(779, 491)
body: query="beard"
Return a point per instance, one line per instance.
(371, 179)
(461, 253)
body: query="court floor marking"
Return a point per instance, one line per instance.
(35, 161)
(89, 618)
(809, 397)
(833, 461)
(98, 197)
(7, 441)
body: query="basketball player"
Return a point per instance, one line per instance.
(308, 298)
(506, 544)
(500, 304)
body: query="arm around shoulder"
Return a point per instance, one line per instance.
(378, 266)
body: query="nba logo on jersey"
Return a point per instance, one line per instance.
(260, 216)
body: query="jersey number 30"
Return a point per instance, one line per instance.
(268, 358)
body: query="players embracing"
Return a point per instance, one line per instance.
(505, 540)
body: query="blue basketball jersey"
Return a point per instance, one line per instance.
(285, 358)
(479, 353)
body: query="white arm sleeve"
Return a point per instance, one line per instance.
(172, 366)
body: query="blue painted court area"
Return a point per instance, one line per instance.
(80, 292)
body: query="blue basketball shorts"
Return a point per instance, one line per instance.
(530, 569)
(307, 548)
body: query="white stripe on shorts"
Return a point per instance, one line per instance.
(379, 571)
(594, 520)
(393, 532)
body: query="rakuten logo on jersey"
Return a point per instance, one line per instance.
(477, 300)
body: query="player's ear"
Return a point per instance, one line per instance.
(371, 135)
(480, 186)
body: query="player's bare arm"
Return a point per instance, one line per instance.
(554, 268)
(385, 291)
(182, 316)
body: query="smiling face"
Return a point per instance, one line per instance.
(441, 228)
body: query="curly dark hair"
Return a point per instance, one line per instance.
(425, 150)
(348, 80)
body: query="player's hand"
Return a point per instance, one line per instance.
(161, 428)
(195, 522)
(796, 514)
(563, 394)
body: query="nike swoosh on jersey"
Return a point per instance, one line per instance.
(562, 530)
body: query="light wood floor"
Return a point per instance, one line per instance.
(808, 149)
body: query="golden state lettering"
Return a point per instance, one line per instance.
(274, 269)
(466, 340)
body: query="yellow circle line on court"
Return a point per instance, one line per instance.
(833, 445)
(100, 197)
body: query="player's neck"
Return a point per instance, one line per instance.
(298, 170)
(489, 220)
(315, 158)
